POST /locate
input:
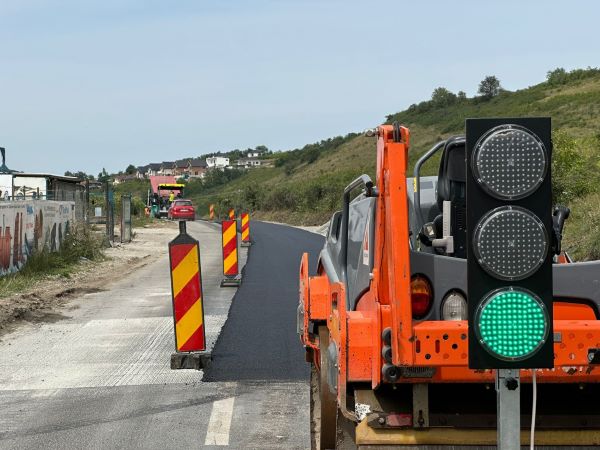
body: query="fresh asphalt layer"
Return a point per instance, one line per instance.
(259, 340)
(101, 378)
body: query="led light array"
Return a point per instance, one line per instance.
(509, 162)
(510, 243)
(512, 324)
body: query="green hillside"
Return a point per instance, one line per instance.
(305, 185)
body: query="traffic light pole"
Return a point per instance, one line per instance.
(508, 389)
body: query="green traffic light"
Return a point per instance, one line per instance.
(512, 324)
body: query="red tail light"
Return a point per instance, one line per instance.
(421, 296)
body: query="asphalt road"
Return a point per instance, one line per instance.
(101, 378)
(259, 341)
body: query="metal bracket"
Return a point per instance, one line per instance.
(447, 243)
(389, 420)
(420, 405)
(508, 389)
(232, 281)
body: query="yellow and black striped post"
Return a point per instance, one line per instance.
(188, 308)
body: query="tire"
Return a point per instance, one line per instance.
(327, 401)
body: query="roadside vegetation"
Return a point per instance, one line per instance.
(81, 244)
(305, 184)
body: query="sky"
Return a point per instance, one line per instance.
(86, 85)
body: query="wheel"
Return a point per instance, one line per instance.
(323, 405)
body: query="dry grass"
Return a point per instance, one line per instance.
(582, 229)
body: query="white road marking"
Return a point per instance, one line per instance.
(220, 422)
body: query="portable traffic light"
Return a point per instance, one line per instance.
(509, 243)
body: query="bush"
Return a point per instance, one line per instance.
(556, 76)
(309, 153)
(572, 172)
(582, 230)
(79, 242)
(560, 76)
(442, 97)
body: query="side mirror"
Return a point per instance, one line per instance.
(559, 217)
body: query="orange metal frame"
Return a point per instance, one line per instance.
(440, 344)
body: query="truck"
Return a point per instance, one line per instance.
(386, 327)
(158, 196)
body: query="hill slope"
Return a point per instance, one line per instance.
(306, 184)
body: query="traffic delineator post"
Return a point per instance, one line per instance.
(245, 229)
(188, 305)
(231, 214)
(211, 212)
(231, 276)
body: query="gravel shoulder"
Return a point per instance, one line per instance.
(45, 300)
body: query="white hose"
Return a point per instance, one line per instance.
(533, 410)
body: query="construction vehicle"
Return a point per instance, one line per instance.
(385, 328)
(164, 189)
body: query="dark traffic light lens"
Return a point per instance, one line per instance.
(510, 243)
(512, 324)
(509, 162)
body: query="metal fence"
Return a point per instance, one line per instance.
(94, 204)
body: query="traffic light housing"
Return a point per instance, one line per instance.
(509, 243)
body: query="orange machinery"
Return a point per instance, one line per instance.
(388, 368)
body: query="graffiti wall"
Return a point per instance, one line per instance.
(27, 226)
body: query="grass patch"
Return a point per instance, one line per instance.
(582, 229)
(80, 244)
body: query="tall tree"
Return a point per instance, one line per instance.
(489, 87)
(442, 97)
(103, 176)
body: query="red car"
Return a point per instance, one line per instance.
(182, 210)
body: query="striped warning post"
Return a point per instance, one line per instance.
(245, 229)
(211, 211)
(230, 253)
(231, 214)
(186, 284)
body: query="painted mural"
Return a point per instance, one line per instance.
(30, 226)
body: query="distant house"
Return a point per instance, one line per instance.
(248, 163)
(166, 168)
(197, 168)
(142, 172)
(181, 168)
(256, 153)
(123, 178)
(153, 169)
(217, 162)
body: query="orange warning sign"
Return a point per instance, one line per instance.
(231, 214)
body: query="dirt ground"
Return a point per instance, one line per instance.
(43, 300)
